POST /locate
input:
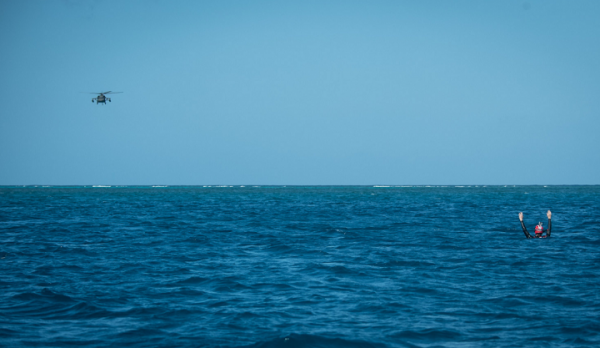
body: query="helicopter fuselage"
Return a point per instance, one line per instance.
(100, 99)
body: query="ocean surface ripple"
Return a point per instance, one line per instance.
(279, 266)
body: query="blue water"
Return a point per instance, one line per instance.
(298, 267)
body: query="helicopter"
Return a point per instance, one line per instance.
(101, 98)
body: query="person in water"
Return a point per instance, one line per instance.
(539, 229)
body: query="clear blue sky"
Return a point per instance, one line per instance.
(300, 92)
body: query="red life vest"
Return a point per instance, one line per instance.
(539, 229)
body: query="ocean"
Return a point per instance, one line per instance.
(298, 266)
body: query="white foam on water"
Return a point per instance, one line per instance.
(242, 186)
(159, 186)
(458, 186)
(380, 186)
(100, 186)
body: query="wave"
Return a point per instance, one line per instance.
(313, 341)
(431, 335)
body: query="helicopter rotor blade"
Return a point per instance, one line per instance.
(109, 92)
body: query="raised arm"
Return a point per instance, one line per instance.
(527, 235)
(549, 214)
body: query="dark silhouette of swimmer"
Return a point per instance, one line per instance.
(539, 229)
